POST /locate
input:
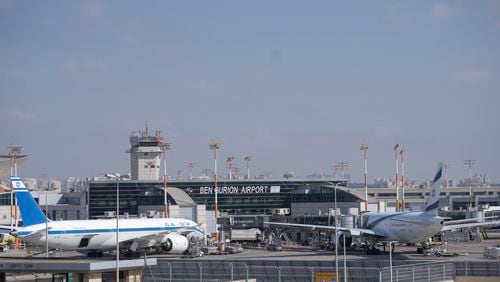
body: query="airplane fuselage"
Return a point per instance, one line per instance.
(405, 227)
(101, 234)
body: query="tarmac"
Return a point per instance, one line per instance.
(469, 250)
(465, 250)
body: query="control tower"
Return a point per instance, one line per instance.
(145, 152)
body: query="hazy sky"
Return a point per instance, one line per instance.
(297, 84)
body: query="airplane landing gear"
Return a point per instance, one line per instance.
(372, 250)
(392, 249)
(95, 254)
(133, 254)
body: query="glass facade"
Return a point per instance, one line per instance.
(102, 196)
(234, 196)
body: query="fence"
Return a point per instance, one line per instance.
(181, 270)
(477, 267)
(430, 271)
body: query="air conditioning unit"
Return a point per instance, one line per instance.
(109, 214)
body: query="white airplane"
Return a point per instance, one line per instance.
(403, 227)
(96, 236)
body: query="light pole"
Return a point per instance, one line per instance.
(470, 163)
(247, 159)
(401, 153)
(215, 146)
(117, 177)
(336, 237)
(390, 259)
(229, 163)
(165, 147)
(46, 222)
(364, 147)
(396, 179)
(345, 262)
(15, 150)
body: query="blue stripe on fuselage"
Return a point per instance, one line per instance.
(378, 220)
(111, 230)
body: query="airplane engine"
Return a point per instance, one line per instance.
(174, 243)
(344, 236)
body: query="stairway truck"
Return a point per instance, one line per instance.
(252, 234)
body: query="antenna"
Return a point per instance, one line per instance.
(206, 171)
(445, 167)
(341, 165)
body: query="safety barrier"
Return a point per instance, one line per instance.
(281, 271)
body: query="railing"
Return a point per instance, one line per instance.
(429, 271)
(477, 268)
(191, 270)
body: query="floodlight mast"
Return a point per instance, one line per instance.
(214, 146)
(364, 147)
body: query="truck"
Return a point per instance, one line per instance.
(241, 235)
(5, 241)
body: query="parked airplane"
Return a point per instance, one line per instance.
(96, 236)
(403, 227)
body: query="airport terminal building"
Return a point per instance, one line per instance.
(235, 197)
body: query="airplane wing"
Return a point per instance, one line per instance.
(467, 225)
(154, 238)
(353, 231)
(36, 235)
(449, 222)
(5, 229)
(421, 223)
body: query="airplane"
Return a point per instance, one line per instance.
(402, 227)
(96, 236)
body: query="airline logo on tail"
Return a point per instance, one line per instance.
(433, 200)
(18, 185)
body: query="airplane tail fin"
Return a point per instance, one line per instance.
(433, 199)
(30, 211)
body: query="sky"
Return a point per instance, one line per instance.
(299, 85)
